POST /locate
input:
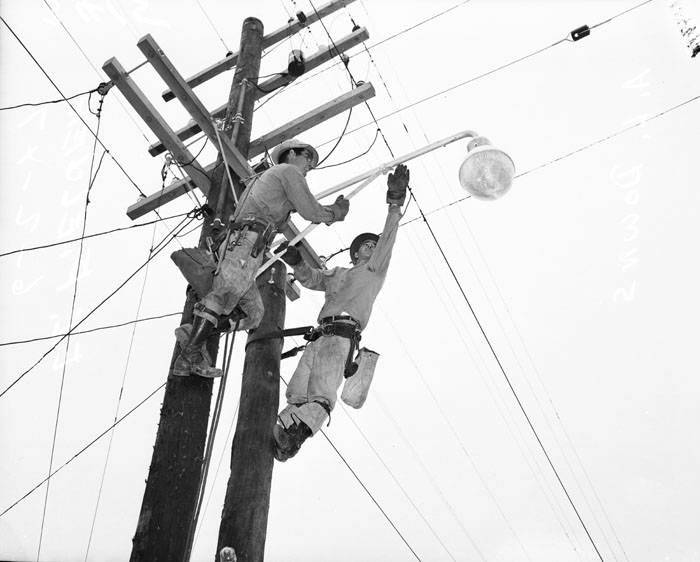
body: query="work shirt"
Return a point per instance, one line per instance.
(279, 191)
(352, 291)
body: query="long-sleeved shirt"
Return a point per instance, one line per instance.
(279, 191)
(352, 291)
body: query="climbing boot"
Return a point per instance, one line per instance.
(288, 440)
(193, 358)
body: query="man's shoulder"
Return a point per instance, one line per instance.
(285, 170)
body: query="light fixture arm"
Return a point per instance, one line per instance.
(384, 168)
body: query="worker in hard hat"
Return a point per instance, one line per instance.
(350, 295)
(264, 207)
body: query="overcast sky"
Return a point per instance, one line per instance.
(584, 278)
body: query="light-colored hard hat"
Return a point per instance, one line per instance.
(293, 144)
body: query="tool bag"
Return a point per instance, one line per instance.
(357, 386)
(198, 267)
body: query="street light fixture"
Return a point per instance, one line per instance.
(487, 172)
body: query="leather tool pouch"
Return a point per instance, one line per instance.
(356, 388)
(198, 267)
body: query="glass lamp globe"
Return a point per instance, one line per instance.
(487, 172)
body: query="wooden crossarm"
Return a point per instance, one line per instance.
(156, 123)
(313, 61)
(167, 71)
(275, 37)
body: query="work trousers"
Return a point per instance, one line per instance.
(316, 380)
(234, 283)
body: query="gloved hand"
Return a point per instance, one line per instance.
(397, 184)
(292, 256)
(339, 208)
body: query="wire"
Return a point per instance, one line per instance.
(53, 244)
(345, 462)
(478, 77)
(37, 104)
(194, 158)
(620, 14)
(396, 481)
(376, 136)
(91, 180)
(507, 379)
(211, 23)
(202, 484)
(340, 138)
(568, 154)
(100, 328)
(75, 42)
(483, 332)
(71, 105)
(81, 451)
(414, 26)
(326, 68)
(384, 513)
(162, 245)
(121, 391)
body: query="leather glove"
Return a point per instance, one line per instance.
(339, 208)
(397, 184)
(292, 256)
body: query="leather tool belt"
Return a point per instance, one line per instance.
(345, 327)
(265, 230)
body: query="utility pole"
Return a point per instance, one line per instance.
(170, 497)
(244, 517)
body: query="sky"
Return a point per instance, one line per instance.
(583, 278)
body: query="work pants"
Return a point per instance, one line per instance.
(316, 380)
(234, 284)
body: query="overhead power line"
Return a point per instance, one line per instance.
(81, 451)
(571, 153)
(163, 244)
(211, 24)
(37, 104)
(98, 329)
(369, 47)
(482, 75)
(91, 180)
(96, 234)
(71, 106)
(478, 322)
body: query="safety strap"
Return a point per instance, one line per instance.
(301, 331)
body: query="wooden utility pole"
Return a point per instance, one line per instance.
(244, 518)
(171, 492)
(170, 497)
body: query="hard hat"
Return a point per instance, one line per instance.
(294, 144)
(359, 240)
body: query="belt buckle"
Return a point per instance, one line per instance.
(327, 329)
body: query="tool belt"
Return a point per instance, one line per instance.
(345, 327)
(264, 229)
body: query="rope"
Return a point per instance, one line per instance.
(210, 441)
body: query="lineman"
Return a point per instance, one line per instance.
(265, 206)
(350, 294)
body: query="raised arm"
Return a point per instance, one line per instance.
(379, 261)
(397, 184)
